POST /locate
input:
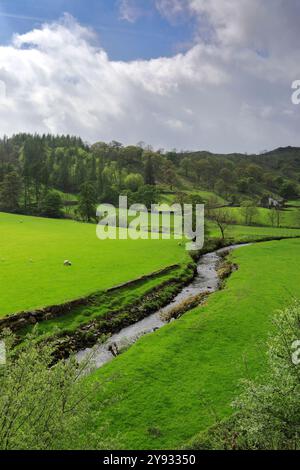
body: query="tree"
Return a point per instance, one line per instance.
(181, 198)
(297, 218)
(288, 190)
(185, 164)
(10, 192)
(149, 172)
(222, 218)
(92, 169)
(272, 216)
(278, 217)
(220, 187)
(131, 158)
(242, 185)
(35, 165)
(168, 175)
(63, 171)
(87, 202)
(228, 176)
(254, 171)
(249, 211)
(52, 205)
(203, 171)
(275, 216)
(268, 414)
(134, 181)
(147, 195)
(80, 172)
(113, 176)
(43, 406)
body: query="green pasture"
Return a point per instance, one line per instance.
(33, 251)
(178, 381)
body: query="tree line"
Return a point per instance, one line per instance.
(39, 172)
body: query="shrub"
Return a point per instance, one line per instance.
(43, 406)
(51, 205)
(267, 414)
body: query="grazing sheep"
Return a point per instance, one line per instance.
(67, 263)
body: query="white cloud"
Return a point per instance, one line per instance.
(129, 10)
(232, 94)
(172, 8)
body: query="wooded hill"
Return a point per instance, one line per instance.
(31, 166)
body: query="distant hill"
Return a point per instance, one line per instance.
(31, 165)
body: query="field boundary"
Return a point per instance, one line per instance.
(91, 333)
(17, 321)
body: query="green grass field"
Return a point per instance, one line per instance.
(244, 233)
(169, 198)
(33, 250)
(167, 387)
(103, 303)
(295, 203)
(174, 383)
(290, 217)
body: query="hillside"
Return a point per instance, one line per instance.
(32, 166)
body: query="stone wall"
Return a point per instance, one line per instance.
(20, 320)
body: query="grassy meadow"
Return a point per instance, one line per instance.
(243, 233)
(33, 250)
(289, 217)
(176, 382)
(173, 383)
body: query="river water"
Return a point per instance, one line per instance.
(206, 280)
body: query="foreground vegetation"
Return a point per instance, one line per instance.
(43, 406)
(267, 412)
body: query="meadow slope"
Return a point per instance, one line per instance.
(174, 383)
(33, 250)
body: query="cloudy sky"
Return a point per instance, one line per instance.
(187, 74)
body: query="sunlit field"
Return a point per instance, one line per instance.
(183, 378)
(33, 251)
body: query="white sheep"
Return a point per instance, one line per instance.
(67, 263)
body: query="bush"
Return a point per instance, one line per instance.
(51, 205)
(43, 406)
(134, 181)
(267, 414)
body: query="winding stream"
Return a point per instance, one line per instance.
(205, 280)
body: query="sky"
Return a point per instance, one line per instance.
(188, 74)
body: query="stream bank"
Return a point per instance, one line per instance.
(205, 282)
